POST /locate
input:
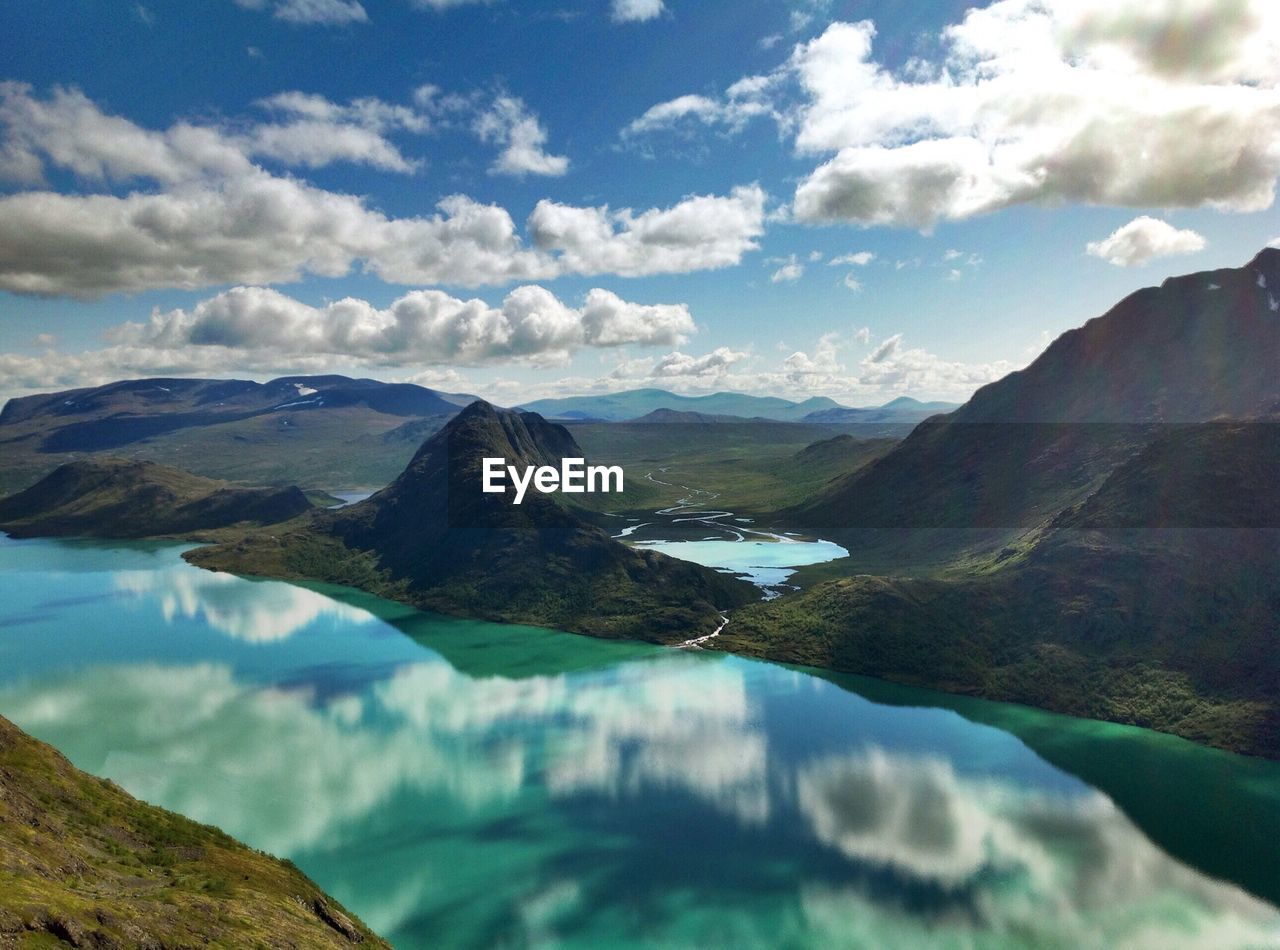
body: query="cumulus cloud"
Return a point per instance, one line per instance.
(219, 218)
(698, 233)
(67, 130)
(1144, 239)
(1174, 103)
(422, 327)
(257, 329)
(715, 363)
(636, 11)
(509, 123)
(323, 12)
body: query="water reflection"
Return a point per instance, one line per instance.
(500, 790)
(253, 611)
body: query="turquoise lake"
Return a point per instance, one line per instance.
(459, 783)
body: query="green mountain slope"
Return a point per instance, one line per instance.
(1153, 602)
(1042, 439)
(84, 864)
(433, 539)
(120, 498)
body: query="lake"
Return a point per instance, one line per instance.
(460, 783)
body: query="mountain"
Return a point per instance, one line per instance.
(1039, 440)
(679, 417)
(1094, 534)
(433, 539)
(1152, 602)
(324, 431)
(902, 409)
(84, 864)
(122, 498)
(632, 404)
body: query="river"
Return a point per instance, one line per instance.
(460, 783)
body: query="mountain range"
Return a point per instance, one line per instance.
(637, 403)
(322, 432)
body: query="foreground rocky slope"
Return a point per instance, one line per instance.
(433, 539)
(84, 864)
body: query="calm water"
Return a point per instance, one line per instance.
(461, 783)
(767, 563)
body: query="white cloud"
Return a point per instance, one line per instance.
(748, 98)
(715, 363)
(220, 219)
(257, 329)
(701, 232)
(791, 271)
(857, 259)
(1143, 239)
(323, 12)
(852, 283)
(886, 350)
(1173, 103)
(636, 11)
(422, 327)
(68, 130)
(508, 123)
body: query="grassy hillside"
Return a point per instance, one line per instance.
(85, 864)
(1154, 603)
(120, 498)
(754, 467)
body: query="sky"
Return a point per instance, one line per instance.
(860, 199)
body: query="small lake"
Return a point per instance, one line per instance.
(765, 563)
(460, 783)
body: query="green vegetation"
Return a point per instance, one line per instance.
(119, 498)
(1152, 603)
(754, 467)
(83, 863)
(433, 539)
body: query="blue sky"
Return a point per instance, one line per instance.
(235, 167)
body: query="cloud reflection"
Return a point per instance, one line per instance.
(1003, 861)
(252, 611)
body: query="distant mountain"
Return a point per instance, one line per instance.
(1039, 440)
(432, 538)
(678, 417)
(902, 409)
(322, 431)
(122, 498)
(632, 404)
(87, 865)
